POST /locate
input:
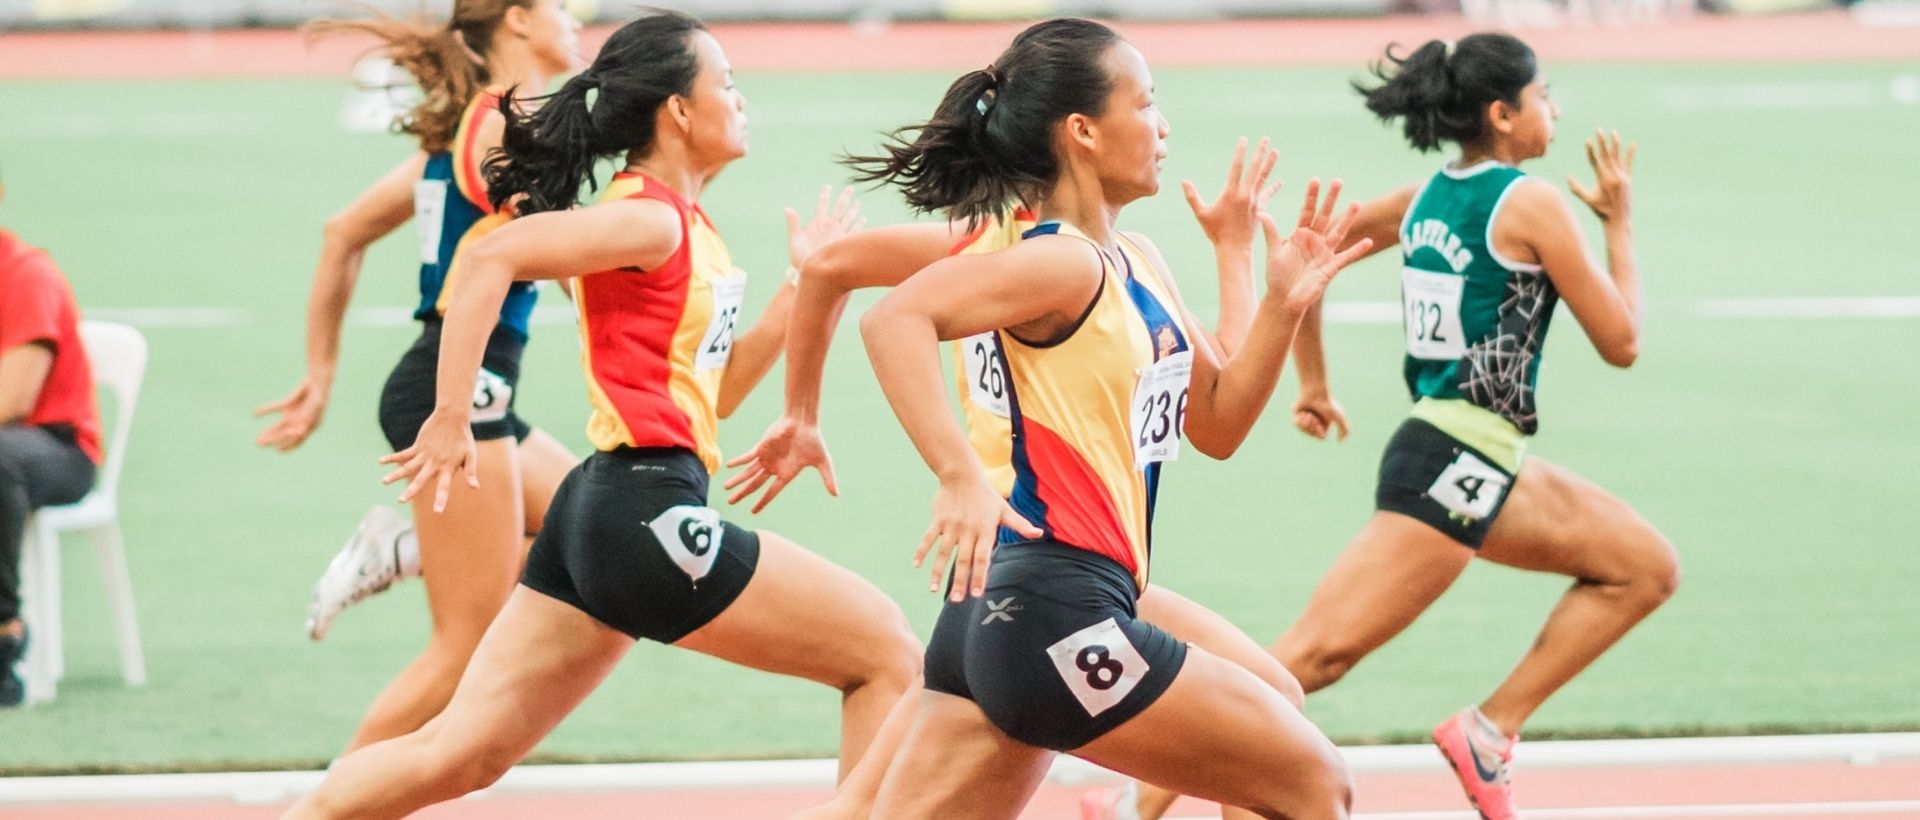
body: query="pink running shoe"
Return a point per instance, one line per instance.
(1482, 759)
(1112, 803)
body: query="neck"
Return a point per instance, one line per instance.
(1471, 155)
(1079, 199)
(510, 67)
(671, 166)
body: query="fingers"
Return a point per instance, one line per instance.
(793, 222)
(1593, 155)
(1264, 160)
(1583, 192)
(1632, 148)
(275, 406)
(1235, 168)
(746, 483)
(1193, 197)
(920, 553)
(821, 207)
(441, 489)
(407, 457)
(851, 220)
(1337, 232)
(1340, 421)
(1013, 520)
(1272, 231)
(1354, 251)
(846, 207)
(743, 459)
(940, 559)
(1326, 207)
(1309, 205)
(826, 476)
(980, 553)
(772, 493)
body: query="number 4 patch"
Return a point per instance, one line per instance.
(1099, 665)
(1469, 486)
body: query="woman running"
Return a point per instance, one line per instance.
(1106, 369)
(630, 549)
(885, 257)
(472, 552)
(1487, 252)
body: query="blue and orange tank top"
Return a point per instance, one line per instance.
(450, 209)
(980, 374)
(655, 343)
(1096, 413)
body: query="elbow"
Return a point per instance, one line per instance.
(1623, 354)
(1216, 446)
(342, 231)
(827, 266)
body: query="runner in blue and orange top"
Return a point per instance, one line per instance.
(631, 549)
(1107, 369)
(471, 552)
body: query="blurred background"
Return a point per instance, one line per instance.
(177, 159)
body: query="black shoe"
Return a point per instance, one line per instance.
(13, 690)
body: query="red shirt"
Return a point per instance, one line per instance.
(37, 306)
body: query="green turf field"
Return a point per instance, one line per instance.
(1778, 454)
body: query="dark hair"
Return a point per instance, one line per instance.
(1441, 91)
(607, 110)
(989, 142)
(445, 59)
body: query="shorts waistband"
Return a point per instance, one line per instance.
(1046, 549)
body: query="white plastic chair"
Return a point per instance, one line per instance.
(118, 354)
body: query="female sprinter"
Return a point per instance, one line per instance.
(472, 552)
(1048, 655)
(885, 257)
(630, 550)
(1487, 250)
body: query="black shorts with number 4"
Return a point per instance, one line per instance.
(407, 399)
(1052, 653)
(1435, 478)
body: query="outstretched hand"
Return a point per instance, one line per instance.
(443, 448)
(1231, 218)
(300, 414)
(967, 517)
(788, 447)
(831, 220)
(1611, 195)
(1300, 266)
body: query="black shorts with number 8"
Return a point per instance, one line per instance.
(1052, 653)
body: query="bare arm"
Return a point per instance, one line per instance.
(383, 207)
(23, 372)
(1316, 412)
(610, 236)
(1230, 223)
(1606, 302)
(1035, 289)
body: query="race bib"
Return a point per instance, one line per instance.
(1160, 409)
(1469, 487)
(1099, 666)
(986, 373)
(492, 396)
(1432, 302)
(691, 537)
(429, 210)
(716, 345)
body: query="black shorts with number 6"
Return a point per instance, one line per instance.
(1052, 652)
(1438, 480)
(407, 399)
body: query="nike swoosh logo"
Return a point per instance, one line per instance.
(1486, 776)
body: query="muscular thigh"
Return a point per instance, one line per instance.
(1188, 621)
(544, 463)
(956, 764)
(1557, 521)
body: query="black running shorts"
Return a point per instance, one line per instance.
(631, 541)
(1052, 652)
(1441, 482)
(407, 399)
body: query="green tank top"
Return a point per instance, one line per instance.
(1475, 321)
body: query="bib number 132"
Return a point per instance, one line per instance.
(1432, 302)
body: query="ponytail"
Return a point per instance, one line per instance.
(446, 60)
(1441, 91)
(989, 142)
(607, 110)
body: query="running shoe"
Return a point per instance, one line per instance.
(1483, 761)
(368, 564)
(1113, 803)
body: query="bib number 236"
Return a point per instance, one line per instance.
(1159, 410)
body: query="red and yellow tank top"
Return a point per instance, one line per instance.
(451, 210)
(1095, 414)
(980, 374)
(656, 343)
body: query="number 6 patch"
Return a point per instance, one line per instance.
(1099, 665)
(1469, 486)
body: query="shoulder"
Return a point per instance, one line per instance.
(1532, 201)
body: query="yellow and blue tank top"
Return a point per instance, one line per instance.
(1097, 412)
(450, 209)
(1475, 321)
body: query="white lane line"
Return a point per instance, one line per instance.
(1693, 810)
(273, 786)
(1871, 307)
(171, 317)
(1804, 94)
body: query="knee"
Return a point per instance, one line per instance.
(464, 768)
(1319, 662)
(1655, 576)
(892, 652)
(1320, 787)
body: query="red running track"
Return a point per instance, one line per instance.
(1802, 791)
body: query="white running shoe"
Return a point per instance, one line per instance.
(368, 564)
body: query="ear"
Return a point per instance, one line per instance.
(1080, 129)
(676, 110)
(518, 20)
(1500, 116)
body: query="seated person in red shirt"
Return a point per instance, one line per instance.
(49, 424)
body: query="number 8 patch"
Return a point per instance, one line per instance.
(1099, 665)
(1469, 486)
